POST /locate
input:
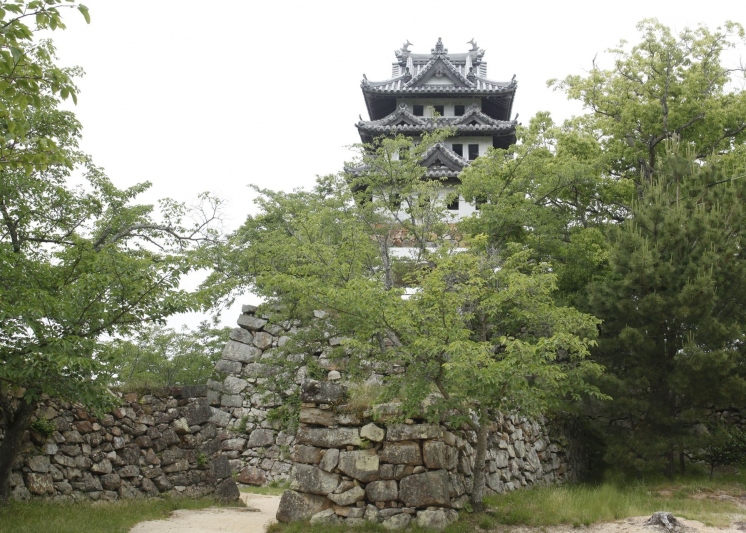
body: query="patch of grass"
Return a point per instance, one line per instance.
(580, 505)
(91, 517)
(273, 489)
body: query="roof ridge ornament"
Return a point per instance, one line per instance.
(439, 49)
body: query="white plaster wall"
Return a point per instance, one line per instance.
(448, 104)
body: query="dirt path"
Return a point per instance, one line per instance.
(216, 520)
(636, 524)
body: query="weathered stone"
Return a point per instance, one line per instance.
(322, 392)
(298, 506)
(434, 454)
(422, 490)
(110, 481)
(227, 491)
(104, 467)
(348, 497)
(194, 391)
(349, 512)
(171, 456)
(371, 513)
(252, 475)
(306, 454)
(228, 367)
(49, 448)
(327, 516)
(129, 471)
(240, 352)
(382, 491)
(180, 465)
(501, 459)
(401, 453)
(39, 483)
(180, 426)
(241, 335)
(251, 322)
(197, 413)
(397, 432)
(359, 464)
(317, 417)
(262, 340)
(221, 468)
(233, 444)
(399, 521)
(432, 519)
(334, 375)
(231, 400)
(372, 433)
(328, 437)
(38, 463)
(64, 460)
(307, 478)
(219, 417)
(148, 487)
(330, 460)
(261, 437)
(234, 385)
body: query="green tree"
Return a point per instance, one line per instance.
(157, 356)
(673, 309)
(667, 85)
(477, 331)
(76, 262)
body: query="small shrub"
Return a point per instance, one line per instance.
(43, 426)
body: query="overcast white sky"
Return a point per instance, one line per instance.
(196, 95)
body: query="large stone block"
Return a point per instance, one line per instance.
(241, 335)
(359, 464)
(261, 437)
(240, 352)
(307, 454)
(435, 454)
(227, 491)
(307, 478)
(322, 392)
(262, 340)
(398, 432)
(39, 483)
(298, 506)
(372, 433)
(317, 417)
(252, 475)
(348, 497)
(228, 367)
(382, 490)
(432, 519)
(328, 437)
(251, 322)
(234, 385)
(424, 490)
(401, 453)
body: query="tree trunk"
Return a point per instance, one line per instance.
(670, 465)
(477, 494)
(15, 421)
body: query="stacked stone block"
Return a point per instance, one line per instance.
(148, 446)
(349, 468)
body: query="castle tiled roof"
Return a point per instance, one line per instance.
(472, 122)
(443, 74)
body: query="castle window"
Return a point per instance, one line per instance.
(459, 110)
(473, 151)
(439, 110)
(418, 110)
(453, 204)
(458, 148)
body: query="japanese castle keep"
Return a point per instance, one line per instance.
(438, 90)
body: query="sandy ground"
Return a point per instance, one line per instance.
(637, 525)
(252, 519)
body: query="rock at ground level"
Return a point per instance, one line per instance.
(300, 506)
(227, 491)
(432, 519)
(307, 478)
(423, 490)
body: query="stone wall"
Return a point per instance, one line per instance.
(244, 426)
(148, 446)
(349, 468)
